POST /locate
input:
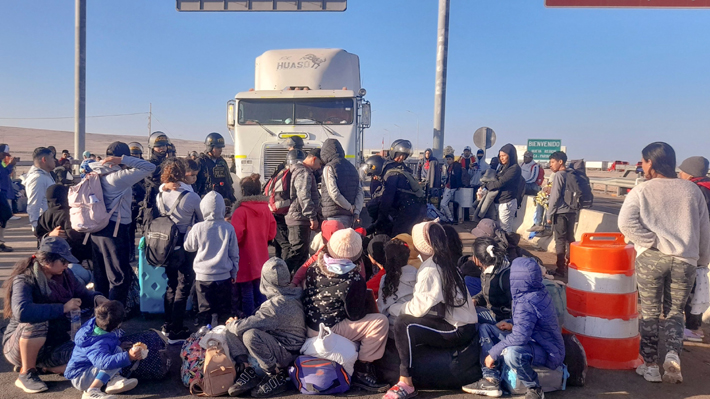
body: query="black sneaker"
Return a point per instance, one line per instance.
(365, 378)
(270, 386)
(5, 248)
(535, 393)
(30, 382)
(484, 387)
(247, 381)
(177, 337)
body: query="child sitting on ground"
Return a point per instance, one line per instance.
(217, 259)
(397, 287)
(535, 339)
(273, 335)
(98, 357)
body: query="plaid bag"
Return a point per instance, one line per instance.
(156, 365)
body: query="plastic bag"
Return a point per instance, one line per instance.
(331, 346)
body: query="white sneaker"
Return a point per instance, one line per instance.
(118, 384)
(671, 367)
(649, 373)
(96, 394)
(15, 218)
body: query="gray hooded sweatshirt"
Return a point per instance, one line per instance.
(215, 242)
(117, 184)
(282, 314)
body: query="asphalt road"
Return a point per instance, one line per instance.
(600, 383)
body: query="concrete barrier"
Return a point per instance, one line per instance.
(589, 221)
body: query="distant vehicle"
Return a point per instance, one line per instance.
(314, 94)
(613, 166)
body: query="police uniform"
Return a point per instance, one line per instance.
(214, 176)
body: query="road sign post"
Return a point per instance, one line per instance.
(543, 148)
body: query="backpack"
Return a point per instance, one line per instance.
(161, 238)
(540, 175)
(415, 189)
(313, 376)
(218, 373)
(557, 293)
(578, 190)
(88, 213)
(156, 365)
(278, 190)
(193, 360)
(575, 360)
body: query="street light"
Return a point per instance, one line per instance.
(417, 116)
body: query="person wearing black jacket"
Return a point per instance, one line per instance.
(494, 302)
(399, 209)
(507, 183)
(454, 181)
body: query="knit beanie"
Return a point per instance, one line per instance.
(345, 244)
(695, 166)
(420, 235)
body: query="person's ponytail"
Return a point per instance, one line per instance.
(452, 283)
(488, 252)
(20, 268)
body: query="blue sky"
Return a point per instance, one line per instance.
(604, 81)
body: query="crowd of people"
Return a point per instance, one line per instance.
(403, 281)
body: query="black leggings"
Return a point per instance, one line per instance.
(410, 331)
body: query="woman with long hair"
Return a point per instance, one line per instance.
(440, 313)
(39, 294)
(667, 220)
(397, 286)
(493, 303)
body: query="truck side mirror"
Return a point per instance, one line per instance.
(366, 114)
(231, 114)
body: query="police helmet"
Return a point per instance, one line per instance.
(158, 139)
(136, 149)
(294, 142)
(294, 156)
(214, 140)
(400, 146)
(373, 166)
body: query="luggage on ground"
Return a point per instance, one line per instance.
(313, 376)
(156, 365)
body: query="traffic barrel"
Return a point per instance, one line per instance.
(602, 299)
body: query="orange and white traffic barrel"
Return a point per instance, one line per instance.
(602, 300)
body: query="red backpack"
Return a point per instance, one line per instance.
(540, 175)
(278, 190)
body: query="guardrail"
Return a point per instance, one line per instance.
(622, 185)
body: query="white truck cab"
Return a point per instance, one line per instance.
(311, 93)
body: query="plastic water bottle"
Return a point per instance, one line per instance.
(75, 317)
(204, 329)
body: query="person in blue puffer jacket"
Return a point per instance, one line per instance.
(98, 356)
(533, 339)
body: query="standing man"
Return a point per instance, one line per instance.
(7, 193)
(302, 216)
(39, 178)
(423, 169)
(111, 246)
(695, 169)
(530, 170)
(281, 244)
(481, 160)
(467, 161)
(342, 190)
(507, 182)
(214, 172)
(559, 213)
(453, 183)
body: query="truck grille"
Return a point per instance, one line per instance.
(273, 156)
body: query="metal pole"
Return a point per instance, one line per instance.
(79, 78)
(442, 48)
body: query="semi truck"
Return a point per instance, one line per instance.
(314, 94)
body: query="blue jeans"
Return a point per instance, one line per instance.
(538, 216)
(250, 295)
(520, 359)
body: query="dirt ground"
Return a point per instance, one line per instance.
(600, 383)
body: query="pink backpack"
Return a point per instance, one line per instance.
(87, 212)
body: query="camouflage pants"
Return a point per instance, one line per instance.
(662, 276)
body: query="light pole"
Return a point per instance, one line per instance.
(417, 116)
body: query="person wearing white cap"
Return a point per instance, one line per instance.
(336, 296)
(440, 313)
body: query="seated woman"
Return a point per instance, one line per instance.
(55, 222)
(440, 313)
(397, 286)
(336, 296)
(38, 295)
(493, 303)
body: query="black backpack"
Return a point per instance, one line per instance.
(578, 190)
(161, 238)
(575, 360)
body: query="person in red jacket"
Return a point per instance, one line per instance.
(255, 227)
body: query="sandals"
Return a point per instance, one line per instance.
(398, 392)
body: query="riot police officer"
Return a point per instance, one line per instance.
(158, 147)
(292, 143)
(136, 149)
(399, 201)
(214, 172)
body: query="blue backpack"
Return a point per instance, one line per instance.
(313, 376)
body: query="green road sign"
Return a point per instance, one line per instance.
(542, 148)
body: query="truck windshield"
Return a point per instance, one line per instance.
(296, 112)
